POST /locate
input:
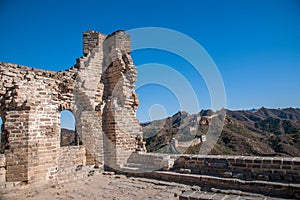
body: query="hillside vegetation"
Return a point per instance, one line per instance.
(262, 132)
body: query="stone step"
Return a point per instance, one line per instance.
(278, 189)
(203, 195)
(134, 167)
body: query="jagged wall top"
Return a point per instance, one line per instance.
(98, 89)
(91, 40)
(117, 40)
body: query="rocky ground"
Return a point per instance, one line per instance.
(119, 187)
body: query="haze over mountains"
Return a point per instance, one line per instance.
(262, 132)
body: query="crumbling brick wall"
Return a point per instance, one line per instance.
(30, 103)
(98, 90)
(120, 125)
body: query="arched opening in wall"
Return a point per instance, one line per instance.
(3, 135)
(68, 136)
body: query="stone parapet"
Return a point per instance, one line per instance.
(242, 167)
(239, 167)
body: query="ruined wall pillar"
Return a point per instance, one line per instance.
(120, 125)
(42, 129)
(88, 97)
(16, 154)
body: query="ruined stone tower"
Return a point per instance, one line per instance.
(98, 90)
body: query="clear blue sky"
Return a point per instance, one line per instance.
(254, 43)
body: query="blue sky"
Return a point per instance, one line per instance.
(254, 43)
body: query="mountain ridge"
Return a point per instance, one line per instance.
(261, 132)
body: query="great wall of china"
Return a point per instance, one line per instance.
(99, 91)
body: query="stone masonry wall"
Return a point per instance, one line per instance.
(243, 167)
(270, 176)
(120, 123)
(2, 168)
(98, 90)
(239, 167)
(72, 159)
(30, 108)
(88, 94)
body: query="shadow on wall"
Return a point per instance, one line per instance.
(69, 135)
